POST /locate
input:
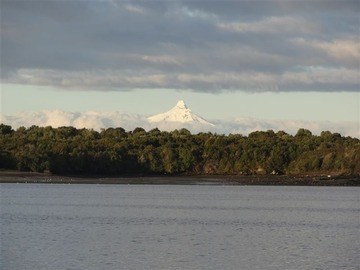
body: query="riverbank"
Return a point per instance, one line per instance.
(285, 180)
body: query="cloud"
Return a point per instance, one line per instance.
(331, 78)
(129, 121)
(89, 119)
(135, 9)
(341, 49)
(338, 52)
(203, 46)
(271, 25)
(161, 59)
(247, 125)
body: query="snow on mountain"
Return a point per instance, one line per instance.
(179, 114)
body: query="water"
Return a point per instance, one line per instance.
(178, 227)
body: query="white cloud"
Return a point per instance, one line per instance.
(196, 13)
(134, 8)
(312, 76)
(90, 79)
(128, 121)
(345, 52)
(246, 80)
(247, 125)
(270, 25)
(161, 59)
(320, 75)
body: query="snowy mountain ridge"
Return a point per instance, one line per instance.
(180, 113)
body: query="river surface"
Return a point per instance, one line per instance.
(52, 227)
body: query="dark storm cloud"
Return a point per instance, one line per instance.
(198, 45)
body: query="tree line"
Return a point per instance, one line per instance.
(114, 151)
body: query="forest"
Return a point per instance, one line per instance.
(114, 151)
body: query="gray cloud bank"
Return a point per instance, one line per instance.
(129, 121)
(205, 46)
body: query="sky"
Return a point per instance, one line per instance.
(264, 59)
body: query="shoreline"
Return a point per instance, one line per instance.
(274, 180)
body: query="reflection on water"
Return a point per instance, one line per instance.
(178, 227)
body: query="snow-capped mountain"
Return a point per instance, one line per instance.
(180, 114)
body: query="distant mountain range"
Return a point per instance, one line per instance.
(178, 117)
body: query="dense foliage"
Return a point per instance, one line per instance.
(67, 150)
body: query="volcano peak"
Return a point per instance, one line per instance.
(180, 114)
(181, 104)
